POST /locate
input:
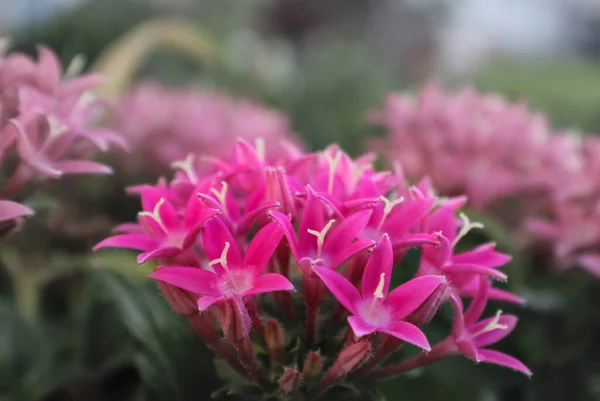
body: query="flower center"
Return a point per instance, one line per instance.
(155, 215)
(237, 281)
(321, 236)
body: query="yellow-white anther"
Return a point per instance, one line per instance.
(357, 171)
(223, 258)
(221, 195)
(466, 227)
(321, 236)
(75, 66)
(492, 325)
(56, 127)
(259, 144)
(85, 99)
(333, 162)
(155, 214)
(379, 290)
(187, 165)
(388, 206)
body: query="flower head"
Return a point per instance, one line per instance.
(373, 309)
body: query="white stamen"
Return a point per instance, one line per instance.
(357, 172)
(333, 162)
(223, 258)
(321, 236)
(57, 128)
(259, 143)
(155, 214)
(492, 325)
(75, 66)
(379, 290)
(221, 195)
(389, 205)
(467, 226)
(187, 165)
(85, 100)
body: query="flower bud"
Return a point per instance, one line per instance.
(181, 301)
(313, 365)
(352, 357)
(349, 359)
(290, 381)
(235, 322)
(427, 310)
(275, 341)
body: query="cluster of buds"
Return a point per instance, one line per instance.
(499, 153)
(45, 126)
(166, 124)
(283, 265)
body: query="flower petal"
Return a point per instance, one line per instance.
(81, 167)
(485, 255)
(501, 359)
(466, 269)
(360, 327)
(140, 242)
(204, 302)
(340, 287)
(379, 267)
(198, 281)
(347, 253)
(214, 237)
(270, 282)
(312, 219)
(407, 297)
(11, 210)
(493, 336)
(262, 246)
(408, 332)
(345, 232)
(288, 231)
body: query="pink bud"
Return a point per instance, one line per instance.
(313, 365)
(181, 301)
(290, 381)
(275, 340)
(349, 359)
(235, 322)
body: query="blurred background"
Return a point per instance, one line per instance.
(105, 333)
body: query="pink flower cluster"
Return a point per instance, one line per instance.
(166, 124)
(500, 154)
(45, 126)
(255, 243)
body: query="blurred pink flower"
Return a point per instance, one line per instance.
(165, 125)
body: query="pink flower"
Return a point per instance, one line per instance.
(165, 125)
(376, 310)
(461, 269)
(320, 242)
(476, 144)
(161, 232)
(233, 276)
(472, 336)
